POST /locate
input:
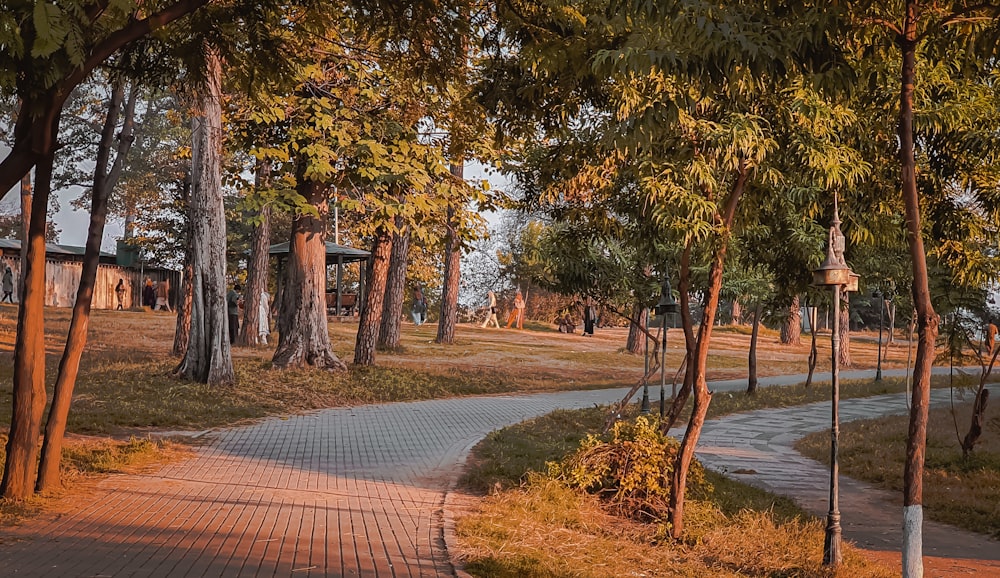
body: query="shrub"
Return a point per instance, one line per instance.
(629, 469)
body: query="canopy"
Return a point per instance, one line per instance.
(333, 252)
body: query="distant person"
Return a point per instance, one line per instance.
(8, 286)
(163, 296)
(991, 334)
(589, 317)
(491, 311)
(148, 294)
(233, 309)
(517, 315)
(419, 310)
(120, 294)
(264, 317)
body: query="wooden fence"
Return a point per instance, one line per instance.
(62, 280)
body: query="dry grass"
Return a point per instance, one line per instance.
(541, 528)
(956, 491)
(85, 460)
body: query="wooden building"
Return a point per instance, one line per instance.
(64, 265)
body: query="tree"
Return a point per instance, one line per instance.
(392, 308)
(208, 358)
(105, 178)
(49, 49)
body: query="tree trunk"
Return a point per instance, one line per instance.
(25, 221)
(687, 323)
(208, 358)
(702, 396)
(890, 308)
(752, 362)
(29, 350)
(636, 335)
(813, 354)
(303, 333)
(185, 297)
(371, 310)
(927, 321)
(76, 340)
(392, 306)
(452, 272)
(257, 268)
(791, 327)
(845, 329)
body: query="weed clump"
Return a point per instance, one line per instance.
(629, 469)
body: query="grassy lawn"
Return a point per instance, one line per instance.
(956, 491)
(535, 526)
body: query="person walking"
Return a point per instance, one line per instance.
(163, 295)
(264, 317)
(148, 294)
(233, 309)
(491, 311)
(419, 310)
(517, 315)
(8, 286)
(120, 294)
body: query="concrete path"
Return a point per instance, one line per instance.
(340, 492)
(757, 448)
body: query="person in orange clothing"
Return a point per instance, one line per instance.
(518, 312)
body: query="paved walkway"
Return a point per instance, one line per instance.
(340, 492)
(757, 447)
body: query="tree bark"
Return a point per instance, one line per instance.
(702, 396)
(371, 310)
(392, 306)
(791, 327)
(890, 308)
(927, 320)
(208, 358)
(29, 350)
(257, 269)
(69, 366)
(813, 354)
(25, 221)
(303, 333)
(452, 271)
(845, 329)
(636, 335)
(752, 361)
(687, 324)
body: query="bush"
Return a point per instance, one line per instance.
(630, 470)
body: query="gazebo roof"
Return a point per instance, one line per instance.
(333, 251)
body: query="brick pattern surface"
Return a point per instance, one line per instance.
(341, 492)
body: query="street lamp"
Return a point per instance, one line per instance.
(834, 273)
(878, 365)
(666, 305)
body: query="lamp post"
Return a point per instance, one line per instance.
(666, 305)
(834, 273)
(881, 304)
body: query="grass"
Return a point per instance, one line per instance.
(84, 460)
(957, 491)
(533, 526)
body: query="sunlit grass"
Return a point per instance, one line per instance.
(957, 491)
(531, 525)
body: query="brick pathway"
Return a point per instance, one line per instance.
(340, 492)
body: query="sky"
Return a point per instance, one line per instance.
(73, 223)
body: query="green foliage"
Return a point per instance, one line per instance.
(630, 469)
